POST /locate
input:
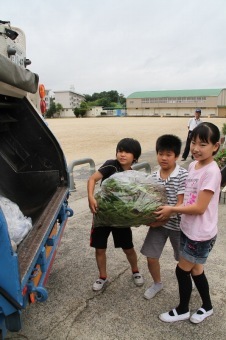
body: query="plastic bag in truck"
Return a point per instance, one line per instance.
(18, 224)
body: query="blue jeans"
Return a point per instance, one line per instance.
(195, 251)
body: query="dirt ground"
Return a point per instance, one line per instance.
(97, 138)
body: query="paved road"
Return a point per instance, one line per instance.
(74, 311)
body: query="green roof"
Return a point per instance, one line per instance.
(176, 93)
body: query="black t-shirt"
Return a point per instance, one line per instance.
(109, 168)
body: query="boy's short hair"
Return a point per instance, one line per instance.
(130, 145)
(169, 143)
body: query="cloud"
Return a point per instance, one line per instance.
(123, 45)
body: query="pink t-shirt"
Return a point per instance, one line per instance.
(201, 227)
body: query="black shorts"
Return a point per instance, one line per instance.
(122, 237)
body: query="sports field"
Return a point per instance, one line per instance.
(97, 138)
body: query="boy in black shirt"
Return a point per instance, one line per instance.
(128, 151)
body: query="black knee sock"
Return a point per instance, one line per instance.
(185, 288)
(203, 289)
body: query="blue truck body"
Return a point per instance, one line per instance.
(34, 176)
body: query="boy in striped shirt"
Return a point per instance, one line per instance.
(172, 176)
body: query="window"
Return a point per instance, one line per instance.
(172, 100)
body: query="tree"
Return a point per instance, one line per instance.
(122, 99)
(59, 108)
(104, 102)
(108, 99)
(53, 108)
(76, 112)
(81, 111)
(113, 96)
(224, 129)
(88, 98)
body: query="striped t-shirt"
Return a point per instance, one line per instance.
(175, 185)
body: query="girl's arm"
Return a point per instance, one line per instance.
(198, 208)
(160, 222)
(180, 199)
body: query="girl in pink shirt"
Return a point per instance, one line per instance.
(198, 223)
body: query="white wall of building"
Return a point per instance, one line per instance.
(69, 100)
(95, 111)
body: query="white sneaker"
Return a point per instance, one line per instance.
(197, 318)
(153, 290)
(138, 279)
(99, 284)
(166, 317)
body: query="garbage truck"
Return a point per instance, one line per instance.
(34, 181)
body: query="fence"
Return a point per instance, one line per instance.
(92, 169)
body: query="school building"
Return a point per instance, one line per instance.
(177, 103)
(69, 100)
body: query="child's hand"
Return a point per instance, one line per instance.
(93, 205)
(163, 213)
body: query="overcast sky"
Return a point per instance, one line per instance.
(123, 45)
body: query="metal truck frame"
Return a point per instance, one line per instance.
(34, 175)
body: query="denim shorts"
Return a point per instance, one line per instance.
(195, 251)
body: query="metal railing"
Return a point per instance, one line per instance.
(90, 161)
(143, 165)
(71, 166)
